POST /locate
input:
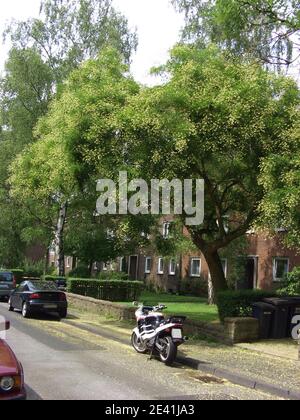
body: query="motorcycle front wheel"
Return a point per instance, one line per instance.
(138, 345)
(169, 353)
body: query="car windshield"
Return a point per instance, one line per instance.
(42, 285)
(6, 277)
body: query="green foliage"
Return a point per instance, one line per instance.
(238, 304)
(82, 272)
(110, 290)
(113, 275)
(280, 179)
(267, 30)
(53, 278)
(69, 32)
(216, 119)
(45, 51)
(291, 285)
(193, 287)
(33, 269)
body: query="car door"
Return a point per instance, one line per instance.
(16, 298)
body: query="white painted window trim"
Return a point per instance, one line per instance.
(275, 259)
(121, 264)
(159, 271)
(166, 230)
(226, 266)
(148, 271)
(172, 272)
(200, 268)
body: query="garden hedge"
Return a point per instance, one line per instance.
(110, 290)
(238, 304)
(53, 278)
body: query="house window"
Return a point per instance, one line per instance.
(148, 265)
(68, 262)
(280, 268)
(166, 230)
(196, 267)
(123, 265)
(107, 266)
(161, 266)
(172, 268)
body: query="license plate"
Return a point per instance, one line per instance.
(50, 306)
(176, 333)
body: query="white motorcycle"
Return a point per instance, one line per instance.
(155, 333)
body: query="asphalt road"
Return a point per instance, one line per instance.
(62, 362)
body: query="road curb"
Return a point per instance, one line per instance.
(209, 368)
(240, 380)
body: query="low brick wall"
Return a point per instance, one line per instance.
(211, 331)
(101, 307)
(242, 330)
(235, 330)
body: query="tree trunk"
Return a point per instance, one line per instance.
(211, 292)
(91, 266)
(59, 239)
(218, 281)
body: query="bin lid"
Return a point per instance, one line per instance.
(277, 301)
(263, 305)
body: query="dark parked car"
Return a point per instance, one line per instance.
(61, 283)
(7, 284)
(32, 297)
(11, 372)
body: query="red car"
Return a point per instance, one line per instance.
(11, 373)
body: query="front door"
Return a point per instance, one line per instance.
(249, 274)
(133, 265)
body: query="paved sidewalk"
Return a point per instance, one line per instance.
(246, 364)
(258, 367)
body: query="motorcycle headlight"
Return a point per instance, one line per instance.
(7, 383)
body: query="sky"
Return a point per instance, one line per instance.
(157, 23)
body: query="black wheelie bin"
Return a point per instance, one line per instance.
(264, 313)
(281, 317)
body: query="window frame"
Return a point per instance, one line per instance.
(159, 270)
(148, 270)
(275, 260)
(191, 267)
(172, 273)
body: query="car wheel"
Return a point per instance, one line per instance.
(10, 307)
(25, 310)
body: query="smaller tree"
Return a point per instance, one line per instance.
(280, 179)
(267, 30)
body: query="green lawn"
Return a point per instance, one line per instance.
(193, 308)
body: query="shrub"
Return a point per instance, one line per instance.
(238, 304)
(291, 285)
(194, 287)
(53, 278)
(80, 272)
(113, 275)
(31, 269)
(110, 290)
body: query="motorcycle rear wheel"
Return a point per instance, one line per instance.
(138, 345)
(169, 353)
